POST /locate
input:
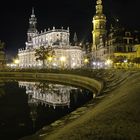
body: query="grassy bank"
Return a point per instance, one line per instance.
(115, 117)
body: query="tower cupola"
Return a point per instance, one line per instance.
(99, 7)
(32, 31)
(99, 25)
(32, 22)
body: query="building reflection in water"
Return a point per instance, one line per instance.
(46, 94)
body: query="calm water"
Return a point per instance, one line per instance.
(26, 107)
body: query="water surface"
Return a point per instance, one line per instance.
(25, 107)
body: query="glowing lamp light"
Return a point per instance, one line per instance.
(62, 59)
(39, 64)
(73, 64)
(16, 61)
(108, 62)
(49, 58)
(54, 64)
(86, 60)
(125, 61)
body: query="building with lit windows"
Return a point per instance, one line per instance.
(122, 40)
(65, 55)
(123, 45)
(118, 44)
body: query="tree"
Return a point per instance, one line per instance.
(2, 45)
(2, 54)
(43, 53)
(44, 87)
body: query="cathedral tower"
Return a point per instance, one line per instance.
(99, 26)
(32, 31)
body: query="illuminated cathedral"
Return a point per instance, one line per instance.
(66, 56)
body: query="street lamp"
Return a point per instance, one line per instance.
(62, 59)
(50, 60)
(86, 61)
(109, 62)
(16, 62)
(125, 61)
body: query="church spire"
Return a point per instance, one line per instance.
(32, 31)
(75, 39)
(32, 10)
(99, 7)
(32, 22)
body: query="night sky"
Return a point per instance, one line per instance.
(77, 14)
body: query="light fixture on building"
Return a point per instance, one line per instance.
(16, 61)
(86, 60)
(62, 58)
(50, 59)
(109, 62)
(125, 61)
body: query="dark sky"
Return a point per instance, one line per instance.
(77, 14)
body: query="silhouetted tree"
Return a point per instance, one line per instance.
(43, 53)
(2, 54)
(2, 45)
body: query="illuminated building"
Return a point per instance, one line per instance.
(123, 45)
(99, 33)
(122, 40)
(118, 44)
(58, 39)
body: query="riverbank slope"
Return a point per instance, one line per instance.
(116, 116)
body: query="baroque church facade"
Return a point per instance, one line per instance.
(66, 56)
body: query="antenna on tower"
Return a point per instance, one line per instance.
(33, 12)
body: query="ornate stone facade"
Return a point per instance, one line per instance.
(99, 50)
(99, 26)
(66, 56)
